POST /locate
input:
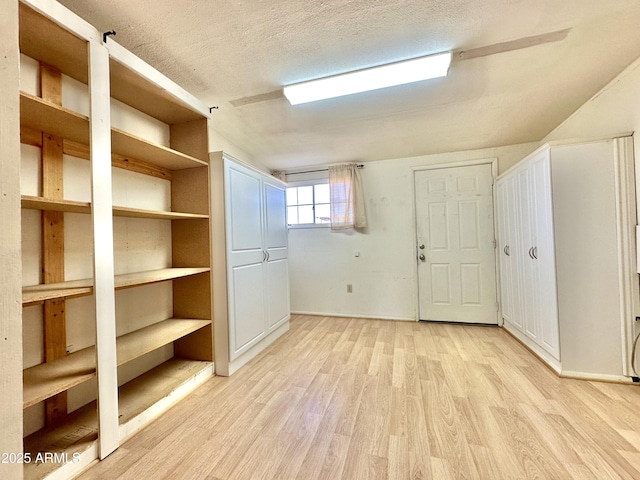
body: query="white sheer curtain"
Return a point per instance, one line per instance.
(347, 198)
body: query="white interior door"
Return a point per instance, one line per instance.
(456, 244)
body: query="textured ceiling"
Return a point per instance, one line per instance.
(226, 51)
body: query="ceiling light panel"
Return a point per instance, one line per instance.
(390, 75)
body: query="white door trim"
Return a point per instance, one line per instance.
(493, 161)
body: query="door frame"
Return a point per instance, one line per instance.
(493, 162)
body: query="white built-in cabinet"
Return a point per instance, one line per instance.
(252, 290)
(565, 242)
(117, 291)
(527, 266)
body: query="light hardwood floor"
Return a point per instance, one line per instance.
(357, 399)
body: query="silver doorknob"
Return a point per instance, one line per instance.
(422, 257)
(421, 246)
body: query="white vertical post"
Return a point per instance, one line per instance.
(103, 270)
(10, 265)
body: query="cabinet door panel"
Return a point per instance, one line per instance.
(277, 273)
(275, 216)
(544, 253)
(245, 206)
(248, 326)
(528, 292)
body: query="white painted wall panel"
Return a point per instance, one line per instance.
(384, 281)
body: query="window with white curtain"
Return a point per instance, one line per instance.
(347, 197)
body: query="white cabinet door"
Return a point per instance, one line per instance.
(508, 251)
(276, 246)
(525, 241)
(245, 258)
(544, 255)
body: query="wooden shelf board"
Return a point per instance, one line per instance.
(129, 280)
(34, 294)
(38, 114)
(139, 213)
(127, 145)
(61, 49)
(76, 435)
(137, 92)
(140, 342)
(48, 379)
(41, 203)
(144, 391)
(71, 206)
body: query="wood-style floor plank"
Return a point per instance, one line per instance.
(356, 399)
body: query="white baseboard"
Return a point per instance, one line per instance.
(78, 465)
(533, 347)
(596, 377)
(144, 418)
(250, 354)
(354, 315)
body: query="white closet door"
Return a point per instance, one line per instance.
(276, 246)
(528, 274)
(544, 255)
(508, 250)
(245, 258)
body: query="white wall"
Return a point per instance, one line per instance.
(613, 110)
(219, 143)
(10, 270)
(322, 262)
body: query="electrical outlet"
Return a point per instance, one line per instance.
(349, 288)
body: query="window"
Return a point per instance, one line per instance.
(308, 205)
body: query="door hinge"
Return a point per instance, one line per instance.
(495, 243)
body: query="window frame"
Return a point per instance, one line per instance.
(308, 183)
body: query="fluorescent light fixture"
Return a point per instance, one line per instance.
(389, 75)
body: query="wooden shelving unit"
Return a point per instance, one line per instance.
(48, 379)
(184, 163)
(61, 42)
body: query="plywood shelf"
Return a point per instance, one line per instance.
(146, 390)
(48, 379)
(142, 94)
(44, 116)
(71, 206)
(154, 276)
(41, 203)
(139, 213)
(77, 434)
(127, 145)
(61, 48)
(138, 343)
(34, 294)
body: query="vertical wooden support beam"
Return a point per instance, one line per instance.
(55, 332)
(103, 268)
(10, 264)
